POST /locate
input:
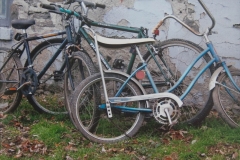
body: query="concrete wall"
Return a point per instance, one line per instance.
(226, 33)
(147, 13)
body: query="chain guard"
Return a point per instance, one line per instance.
(29, 76)
(166, 104)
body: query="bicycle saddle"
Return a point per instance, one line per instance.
(22, 23)
(112, 43)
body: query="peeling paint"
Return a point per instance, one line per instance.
(147, 13)
(236, 26)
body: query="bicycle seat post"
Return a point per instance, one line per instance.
(24, 24)
(24, 31)
(26, 45)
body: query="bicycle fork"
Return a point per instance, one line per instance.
(108, 107)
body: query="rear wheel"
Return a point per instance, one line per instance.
(49, 96)
(80, 67)
(174, 57)
(9, 81)
(227, 98)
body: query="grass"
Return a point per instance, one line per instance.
(26, 134)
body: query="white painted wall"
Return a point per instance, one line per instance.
(147, 13)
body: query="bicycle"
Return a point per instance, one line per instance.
(109, 106)
(225, 82)
(166, 80)
(37, 75)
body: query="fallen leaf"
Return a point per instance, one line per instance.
(69, 158)
(103, 149)
(165, 141)
(70, 148)
(2, 116)
(234, 155)
(167, 158)
(193, 141)
(18, 155)
(203, 155)
(5, 145)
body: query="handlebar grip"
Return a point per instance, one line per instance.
(46, 6)
(101, 5)
(157, 26)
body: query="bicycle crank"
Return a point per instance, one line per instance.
(29, 82)
(166, 111)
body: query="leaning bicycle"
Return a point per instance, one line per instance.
(41, 78)
(110, 106)
(165, 74)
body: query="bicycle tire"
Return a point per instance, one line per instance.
(49, 96)
(96, 126)
(194, 110)
(9, 101)
(226, 101)
(76, 77)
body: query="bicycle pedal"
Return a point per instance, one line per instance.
(10, 91)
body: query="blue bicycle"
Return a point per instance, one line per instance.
(110, 106)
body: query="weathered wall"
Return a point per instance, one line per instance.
(147, 13)
(226, 37)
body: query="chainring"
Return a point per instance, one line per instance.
(29, 76)
(159, 111)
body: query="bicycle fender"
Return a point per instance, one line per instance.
(213, 78)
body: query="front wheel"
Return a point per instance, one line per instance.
(9, 81)
(89, 114)
(227, 98)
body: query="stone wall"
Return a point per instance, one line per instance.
(147, 13)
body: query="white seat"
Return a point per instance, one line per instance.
(112, 42)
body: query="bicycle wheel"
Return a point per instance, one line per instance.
(80, 67)
(9, 97)
(49, 96)
(90, 116)
(174, 56)
(227, 98)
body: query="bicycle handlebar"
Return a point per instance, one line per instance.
(60, 10)
(185, 25)
(49, 7)
(88, 4)
(208, 13)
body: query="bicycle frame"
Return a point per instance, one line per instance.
(69, 39)
(215, 59)
(141, 33)
(25, 44)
